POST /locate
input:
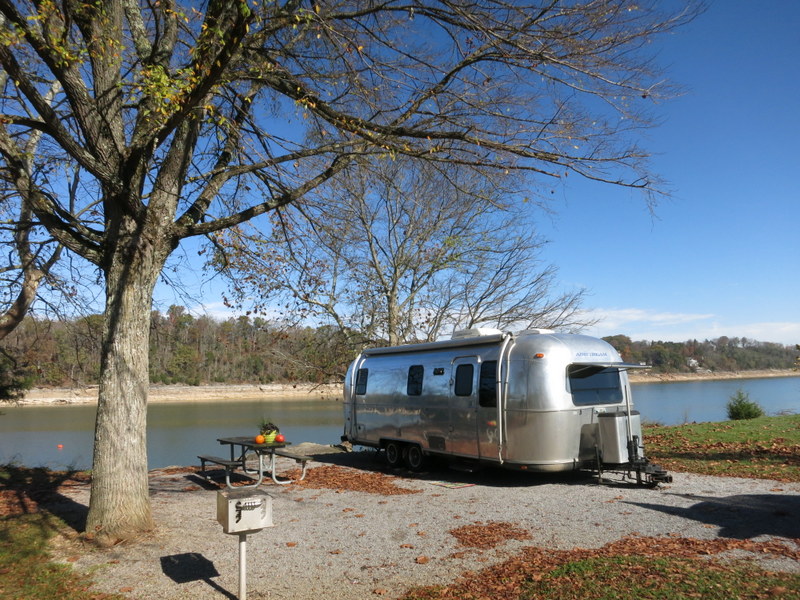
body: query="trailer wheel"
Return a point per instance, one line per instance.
(394, 455)
(414, 457)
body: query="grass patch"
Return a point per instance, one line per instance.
(26, 528)
(763, 448)
(671, 568)
(624, 577)
(26, 571)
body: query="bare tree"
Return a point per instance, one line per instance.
(185, 122)
(399, 251)
(29, 259)
(509, 288)
(29, 262)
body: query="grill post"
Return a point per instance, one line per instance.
(242, 566)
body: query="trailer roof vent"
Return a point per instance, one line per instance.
(539, 331)
(474, 332)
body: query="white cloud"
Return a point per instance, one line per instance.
(216, 310)
(781, 332)
(645, 324)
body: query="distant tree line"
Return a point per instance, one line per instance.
(720, 354)
(185, 349)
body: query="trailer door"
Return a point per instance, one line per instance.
(487, 418)
(463, 431)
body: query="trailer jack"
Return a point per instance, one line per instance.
(645, 473)
(649, 474)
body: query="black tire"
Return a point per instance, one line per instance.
(394, 454)
(414, 457)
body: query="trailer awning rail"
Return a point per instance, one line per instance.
(606, 365)
(619, 365)
(427, 346)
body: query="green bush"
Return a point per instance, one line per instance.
(741, 407)
(14, 380)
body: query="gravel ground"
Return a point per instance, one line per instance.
(348, 545)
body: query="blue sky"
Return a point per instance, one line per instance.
(720, 257)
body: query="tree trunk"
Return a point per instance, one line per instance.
(119, 507)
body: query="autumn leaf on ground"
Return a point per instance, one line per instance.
(488, 535)
(341, 478)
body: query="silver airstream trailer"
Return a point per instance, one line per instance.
(537, 400)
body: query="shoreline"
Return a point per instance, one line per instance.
(709, 376)
(273, 392)
(182, 394)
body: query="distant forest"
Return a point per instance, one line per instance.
(199, 350)
(721, 354)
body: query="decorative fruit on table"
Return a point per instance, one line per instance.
(280, 438)
(269, 430)
(260, 439)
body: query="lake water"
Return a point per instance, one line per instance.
(704, 401)
(61, 437)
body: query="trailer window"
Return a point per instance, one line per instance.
(487, 386)
(361, 382)
(464, 380)
(594, 385)
(414, 384)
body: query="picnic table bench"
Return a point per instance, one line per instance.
(298, 458)
(229, 466)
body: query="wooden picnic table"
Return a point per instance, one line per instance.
(241, 447)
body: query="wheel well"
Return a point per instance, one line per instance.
(383, 442)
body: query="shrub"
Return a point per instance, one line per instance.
(14, 380)
(741, 407)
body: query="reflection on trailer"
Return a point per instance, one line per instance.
(536, 400)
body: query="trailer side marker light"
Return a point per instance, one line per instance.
(539, 355)
(492, 423)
